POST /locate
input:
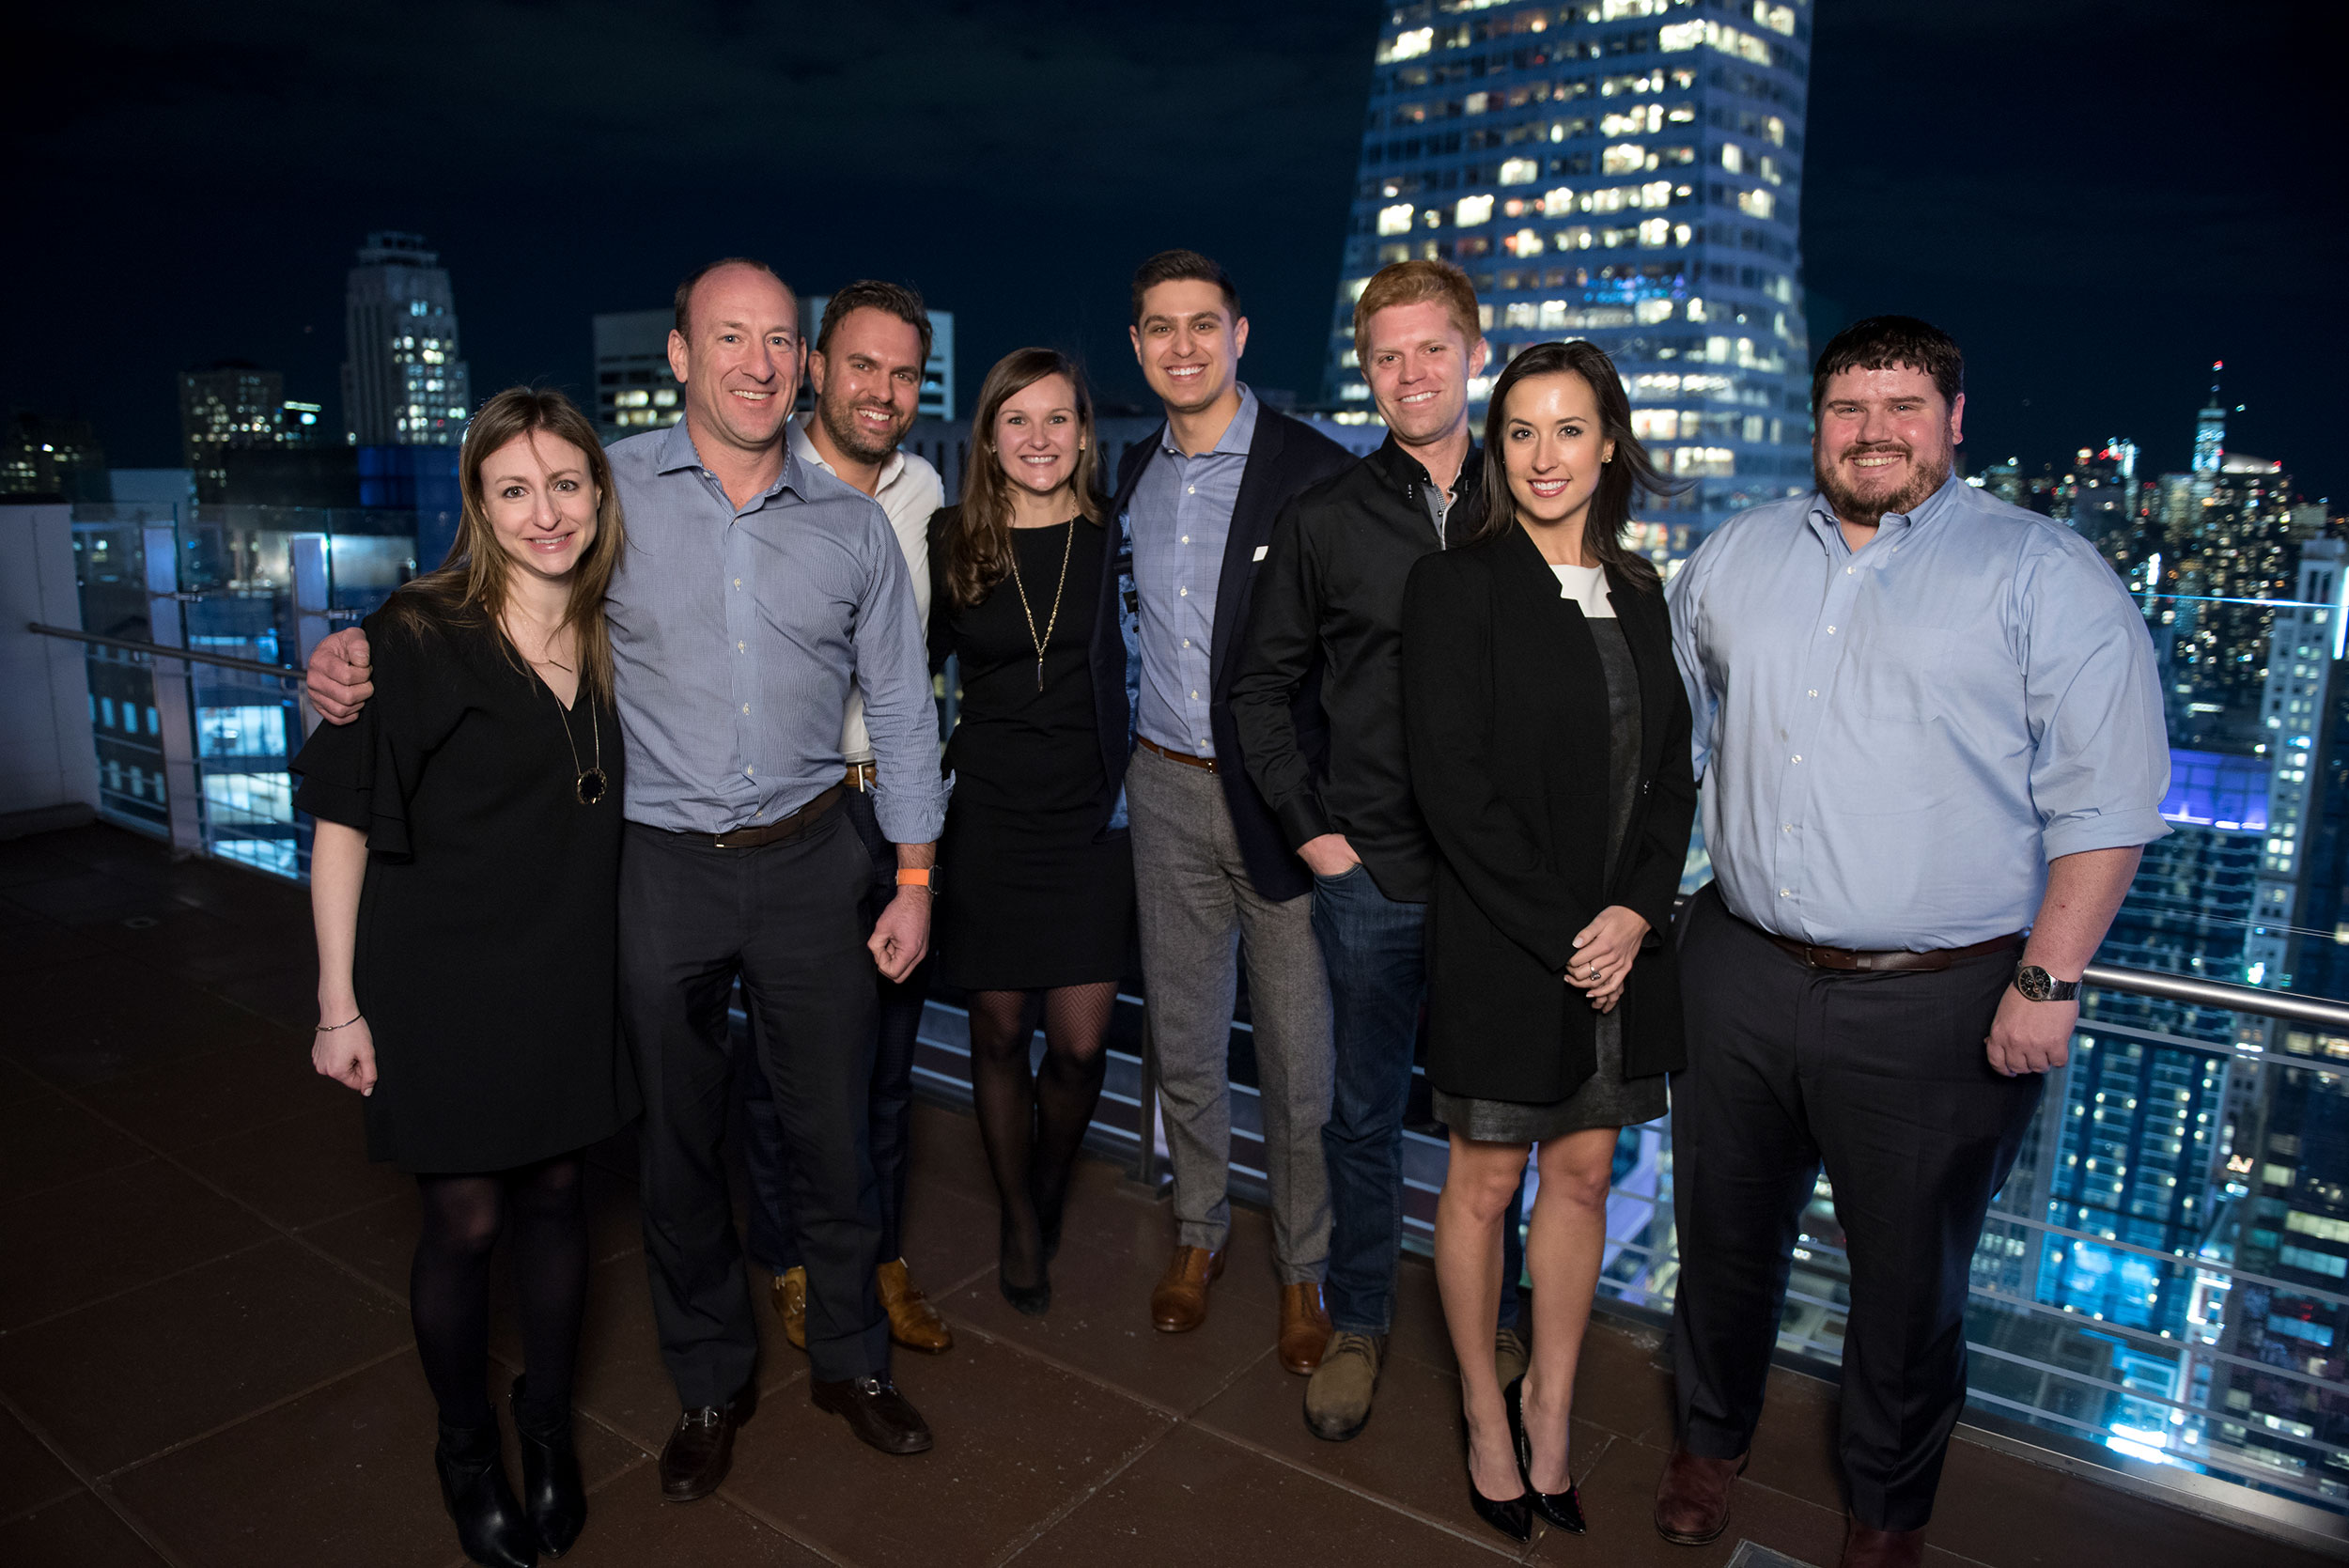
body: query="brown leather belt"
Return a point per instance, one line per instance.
(861, 776)
(771, 832)
(1204, 764)
(1897, 958)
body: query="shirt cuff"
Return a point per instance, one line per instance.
(1301, 820)
(2120, 829)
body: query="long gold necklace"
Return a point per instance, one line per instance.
(589, 783)
(1053, 620)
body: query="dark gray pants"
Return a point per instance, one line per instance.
(784, 918)
(1883, 1079)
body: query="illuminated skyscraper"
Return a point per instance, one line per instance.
(403, 384)
(1626, 171)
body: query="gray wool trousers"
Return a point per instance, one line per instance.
(1200, 918)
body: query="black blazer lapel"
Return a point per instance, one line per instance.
(1253, 513)
(1131, 466)
(1648, 635)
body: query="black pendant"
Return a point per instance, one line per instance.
(591, 786)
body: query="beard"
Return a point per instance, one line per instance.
(853, 437)
(1928, 472)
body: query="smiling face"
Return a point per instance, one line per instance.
(1188, 343)
(869, 385)
(1035, 435)
(1887, 440)
(741, 366)
(1553, 445)
(1418, 364)
(540, 496)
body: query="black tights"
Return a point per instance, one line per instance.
(448, 1287)
(1033, 1124)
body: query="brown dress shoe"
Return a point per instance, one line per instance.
(1692, 1498)
(913, 1321)
(791, 1297)
(1179, 1304)
(1881, 1548)
(1304, 1327)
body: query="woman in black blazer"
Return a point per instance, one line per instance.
(1549, 737)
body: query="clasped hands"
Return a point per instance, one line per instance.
(1603, 952)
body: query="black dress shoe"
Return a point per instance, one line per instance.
(876, 1412)
(1562, 1509)
(693, 1461)
(551, 1491)
(491, 1525)
(1513, 1517)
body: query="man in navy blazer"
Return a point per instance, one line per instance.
(1213, 873)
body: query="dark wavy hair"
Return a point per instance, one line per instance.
(1628, 473)
(978, 540)
(1881, 342)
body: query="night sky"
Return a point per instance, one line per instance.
(2097, 199)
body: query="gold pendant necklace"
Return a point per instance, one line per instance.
(1053, 620)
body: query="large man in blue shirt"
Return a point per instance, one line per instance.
(1931, 741)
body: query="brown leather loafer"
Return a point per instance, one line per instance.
(1179, 1304)
(1692, 1497)
(913, 1321)
(879, 1416)
(694, 1460)
(790, 1297)
(1304, 1327)
(1864, 1547)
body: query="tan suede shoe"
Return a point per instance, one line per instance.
(1304, 1327)
(1510, 1355)
(913, 1321)
(1337, 1401)
(791, 1297)
(1179, 1304)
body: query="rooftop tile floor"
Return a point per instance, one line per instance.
(205, 1355)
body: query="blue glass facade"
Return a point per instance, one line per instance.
(1628, 172)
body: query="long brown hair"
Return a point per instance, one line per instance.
(474, 583)
(978, 544)
(1629, 470)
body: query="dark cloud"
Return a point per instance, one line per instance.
(2100, 198)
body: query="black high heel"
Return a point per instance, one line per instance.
(1032, 1300)
(1562, 1509)
(1512, 1516)
(491, 1525)
(552, 1492)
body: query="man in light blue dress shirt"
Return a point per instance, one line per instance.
(1930, 737)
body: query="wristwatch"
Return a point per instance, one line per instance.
(2037, 984)
(918, 876)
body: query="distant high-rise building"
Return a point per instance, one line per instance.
(234, 406)
(634, 388)
(2209, 428)
(1624, 173)
(403, 382)
(40, 456)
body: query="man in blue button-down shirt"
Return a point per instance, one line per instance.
(1926, 724)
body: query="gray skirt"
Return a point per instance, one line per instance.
(1605, 1099)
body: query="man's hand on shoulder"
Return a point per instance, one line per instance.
(2031, 1037)
(341, 676)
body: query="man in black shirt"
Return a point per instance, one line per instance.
(1330, 600)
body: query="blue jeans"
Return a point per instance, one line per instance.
(774, 1240)
(1376, 951)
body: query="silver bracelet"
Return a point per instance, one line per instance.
(330, 1028)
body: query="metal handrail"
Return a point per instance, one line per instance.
(163, 650)
(2220, 994)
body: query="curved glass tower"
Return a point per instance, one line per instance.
(1626, 171)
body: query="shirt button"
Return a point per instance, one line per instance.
(1814, 690)
(1786, 893)
(1186, 538)
(738, 582)
(749, 772)
(1186, 642)
(741, 648)
(1786, 827)
(1797, 754)
(1831, 632)
(746, 708)
(1182, 593)
(1194, 696)
(1848, 570)
(1190, 489)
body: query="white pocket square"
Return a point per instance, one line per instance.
(1262, 551)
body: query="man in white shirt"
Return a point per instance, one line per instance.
(866, 370)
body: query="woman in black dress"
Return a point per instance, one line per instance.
(1549, 735)
(1038, 892)
(463, 879)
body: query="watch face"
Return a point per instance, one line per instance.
(2034, 983)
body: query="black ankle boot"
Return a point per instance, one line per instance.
(551, 1491)
(491, 1525)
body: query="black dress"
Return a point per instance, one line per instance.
(1039, 890)
(485, 942)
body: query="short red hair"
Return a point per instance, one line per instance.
(1408, 283)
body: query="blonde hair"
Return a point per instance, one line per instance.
(1408, 283)
(474, 583)
(978, 542)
